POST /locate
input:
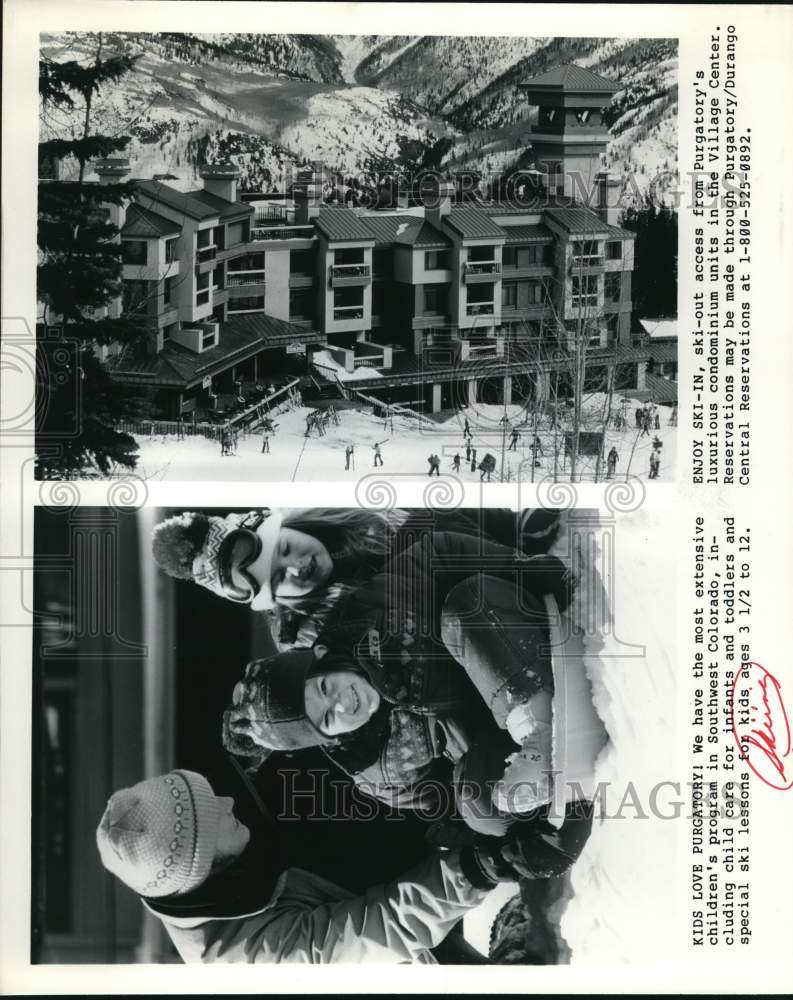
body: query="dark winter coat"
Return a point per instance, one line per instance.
(430, 710)
(530, 532)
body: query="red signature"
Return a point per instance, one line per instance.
(760, 724)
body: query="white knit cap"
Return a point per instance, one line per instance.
(261, 569)
(159, 836)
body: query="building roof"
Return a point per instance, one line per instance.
(423, 235)
(527, 234)
(569, 76)
(531, 203)
(343, 224)
(147, 224)
(473, 224)
(240, 338)
(660, 390)
(664, 351)
(660, 328)
(585, 221)
(177, 201)
(224, 209)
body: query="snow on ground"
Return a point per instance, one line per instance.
(324, 359)
(624, 623)
(293, 457)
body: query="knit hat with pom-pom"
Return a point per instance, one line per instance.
(177, 541)
(159, 836)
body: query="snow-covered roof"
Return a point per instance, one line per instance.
(658, 329)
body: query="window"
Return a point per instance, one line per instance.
(434, 300)
(536, 293)
(135, 297)
(381, 299)
(540, 253)
(612, 327)
(218, 277)
(349, 256)
(300, 262)
(585, 248)
(202, 289)
(171, 250)
(204, 238)
(583, 116)
(612, 286)
(594, 337)
(301, 304)
(343, 297)
(614, 250)
(134, 251)
(167, 291)
(237, 232)
(251, 304)
(208, 339)
(169, 331)
(219, 237)
(436, 260)
(509, 295)
(481, 254)
(382, 265)
(509, 257)
(585, 290)
(247, 262)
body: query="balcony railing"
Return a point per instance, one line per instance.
(351, 270)
(480, 308)
(350, 274)
(245, 278)
(259, 233)
(584, 301)
(348, 312)
(588, 260)
(483, 267)
(271, 214)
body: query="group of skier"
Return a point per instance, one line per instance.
(320, 420)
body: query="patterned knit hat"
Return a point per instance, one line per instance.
(208, 566)
(159, 837)
(269, 704)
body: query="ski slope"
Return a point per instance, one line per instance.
(405, 449)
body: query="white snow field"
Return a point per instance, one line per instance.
(620, 906)
(405, 449)
(622, 621)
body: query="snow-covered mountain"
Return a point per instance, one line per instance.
(284, 99)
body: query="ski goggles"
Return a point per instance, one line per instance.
(245, 561)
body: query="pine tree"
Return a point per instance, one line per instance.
(79, 275)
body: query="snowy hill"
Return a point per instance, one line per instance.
(346, 99)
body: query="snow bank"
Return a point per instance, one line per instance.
(627, 861)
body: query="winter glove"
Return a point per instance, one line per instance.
(549, 575)
(537, 849)
(483, 864)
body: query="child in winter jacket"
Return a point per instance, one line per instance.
(415, 687)
(299, 564)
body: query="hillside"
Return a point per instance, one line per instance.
(345, 99)
(474, 83)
